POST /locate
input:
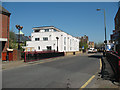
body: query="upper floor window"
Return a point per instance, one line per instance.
(46, 30)
(64, 40)
(37, 30)
(64, 47)
(37, 39)
(45, 38)
(70, 42)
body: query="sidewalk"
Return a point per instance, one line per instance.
(105, 77)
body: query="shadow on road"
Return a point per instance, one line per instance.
(95, 56)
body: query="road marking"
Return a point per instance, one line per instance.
(88, 82)
(91, 77)
(100, 64)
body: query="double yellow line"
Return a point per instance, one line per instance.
(91, 77)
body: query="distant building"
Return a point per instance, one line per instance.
(23, 38)
(49, 37)
(84, 39)
(115, 37)
(83, 42)
(4, 29)
(91, 45)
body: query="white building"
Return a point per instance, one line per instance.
(44, 38)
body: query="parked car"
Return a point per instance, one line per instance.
(95, 50)
(90, 50)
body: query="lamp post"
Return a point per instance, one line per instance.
(19, 28)
(57, 43)
(105, 28)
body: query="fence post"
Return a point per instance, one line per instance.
(25, 57)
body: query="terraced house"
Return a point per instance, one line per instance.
(51, 38)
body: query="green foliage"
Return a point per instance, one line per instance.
(83, 44)
(12, 40)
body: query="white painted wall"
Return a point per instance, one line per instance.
(72, 43)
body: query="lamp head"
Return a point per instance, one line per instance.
(17, 26)
(21, 27)
(57, 37)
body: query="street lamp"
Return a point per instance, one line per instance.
(57, 43)
(19, 28)
(105, 28)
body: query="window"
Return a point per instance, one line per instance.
(37, 39)
(45, 38)
(38, 47)
(55, 30)
(64, 47)
(70, 42)
(49, 48)
(64, 40)
(46, 30)
(37, 30)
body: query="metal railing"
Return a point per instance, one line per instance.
(38, 55)
(114, 60)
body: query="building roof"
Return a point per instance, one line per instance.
(50, 27)
(4, 11)
(47, 27)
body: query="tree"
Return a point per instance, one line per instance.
(12, 40)
(81, 44)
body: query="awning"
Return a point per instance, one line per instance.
(3, 39)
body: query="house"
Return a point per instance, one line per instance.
(51, 38)
(4, 31)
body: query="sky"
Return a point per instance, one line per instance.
(75, 18)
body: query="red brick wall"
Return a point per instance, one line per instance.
(16, 55)
(4, 31)
(117, 25)
(0, 25)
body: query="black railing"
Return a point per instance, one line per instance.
(33, 56)
(114, 61)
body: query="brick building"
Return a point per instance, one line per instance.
(4, 29)
(115, 37)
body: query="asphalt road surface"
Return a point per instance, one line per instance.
(70, 72)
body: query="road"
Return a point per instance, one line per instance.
(76, 71)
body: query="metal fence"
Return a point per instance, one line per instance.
(33, 56)
(114, 61)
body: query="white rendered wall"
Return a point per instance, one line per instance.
(52, 41)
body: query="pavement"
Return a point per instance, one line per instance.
(105, 77)
(97, 82)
